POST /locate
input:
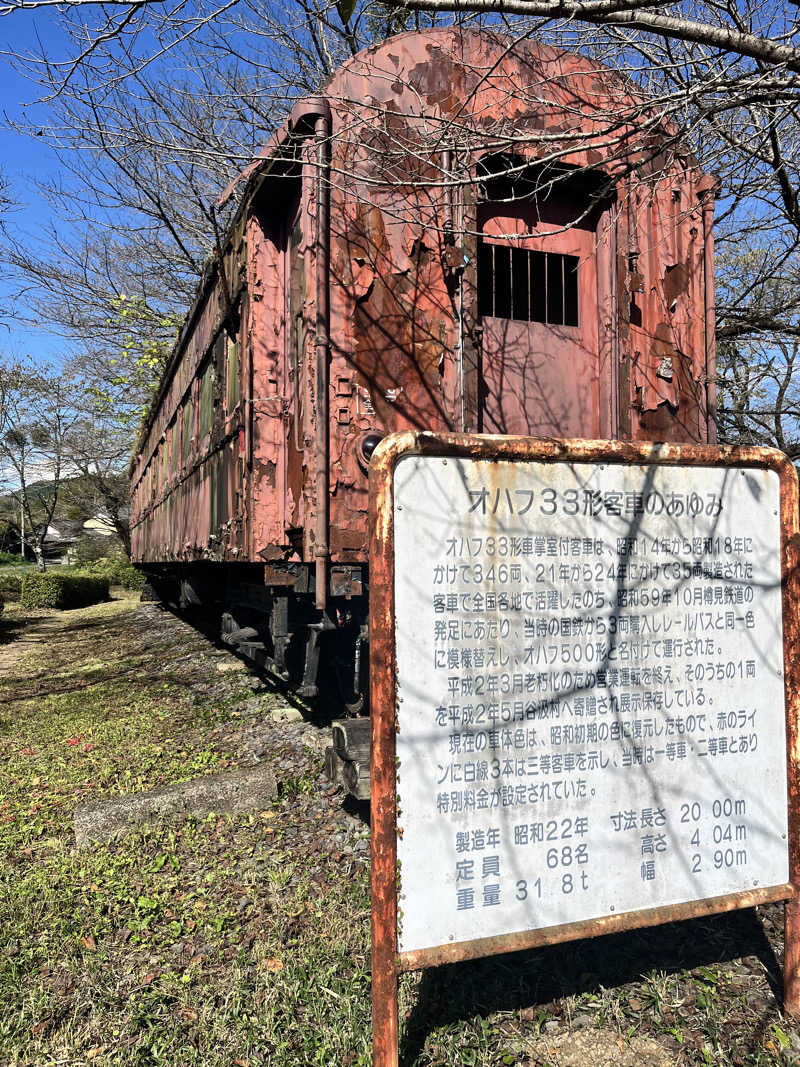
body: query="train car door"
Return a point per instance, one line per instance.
(543, 277)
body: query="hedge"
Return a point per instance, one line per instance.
(52, 590)
(11, 585)
(118, 571)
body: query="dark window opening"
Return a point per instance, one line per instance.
(517, 283)
(565, 196)
(505, 177)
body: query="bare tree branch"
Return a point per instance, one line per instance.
(631, 16)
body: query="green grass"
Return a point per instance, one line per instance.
(144, 948)
(195, 943)
(94, 728)
(99, 739)
(222, 941)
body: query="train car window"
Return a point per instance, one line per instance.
(207, 399)
(233, 390)
(174, 439)
(527, 285)
(187, 426)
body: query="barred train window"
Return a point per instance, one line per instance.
(518, 283)
(234, 388)
(207, 384)
(188, 426)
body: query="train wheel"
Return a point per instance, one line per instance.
(356, 707)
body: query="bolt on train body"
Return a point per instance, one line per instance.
(459, 234)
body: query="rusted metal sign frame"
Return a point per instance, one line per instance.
(387, 962)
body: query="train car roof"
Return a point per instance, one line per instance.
(425, 76)
(412, 74)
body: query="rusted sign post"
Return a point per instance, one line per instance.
(584, 673)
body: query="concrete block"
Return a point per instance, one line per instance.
(241, 790)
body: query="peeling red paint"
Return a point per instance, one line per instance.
(413, 121)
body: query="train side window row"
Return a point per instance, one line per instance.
(527, 285)
(221, 368)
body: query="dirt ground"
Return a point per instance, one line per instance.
(245, 940)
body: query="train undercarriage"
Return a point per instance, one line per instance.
(268, 616)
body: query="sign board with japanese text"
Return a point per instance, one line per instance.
(590, 683)
(588, 691)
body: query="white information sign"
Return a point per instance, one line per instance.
(591, 714)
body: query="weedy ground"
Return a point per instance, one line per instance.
(245, 940)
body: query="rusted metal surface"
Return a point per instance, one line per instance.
(578, 449)
(608, 924)
(386, 961)
(403, 343)
(791, 659)
(383, 806)
(707, 189)
(791, 959)
(346, 582)
(550, 380)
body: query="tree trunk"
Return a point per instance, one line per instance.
(124, 533)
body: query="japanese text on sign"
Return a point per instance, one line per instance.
(590, 691)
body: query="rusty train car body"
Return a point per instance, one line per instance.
(458, 235)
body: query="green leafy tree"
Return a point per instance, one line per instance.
(123, 380)
(113, 390)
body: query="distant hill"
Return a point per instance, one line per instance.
(77, 500)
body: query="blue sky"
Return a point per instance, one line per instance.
(24, 158)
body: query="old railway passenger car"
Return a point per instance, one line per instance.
(458, 234)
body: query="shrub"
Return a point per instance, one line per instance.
(130, 578)
(10, 559)
(118, 571)
(11, 585)
(93, 548)
(59, 590)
